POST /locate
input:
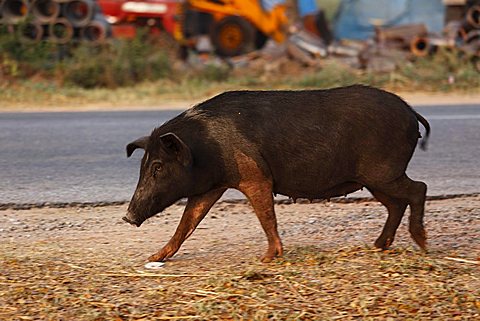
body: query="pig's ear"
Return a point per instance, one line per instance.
(173, 144)
(139, 143)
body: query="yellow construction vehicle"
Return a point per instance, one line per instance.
(233, 26)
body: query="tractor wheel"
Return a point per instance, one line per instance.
(260, 40)
(233, 36)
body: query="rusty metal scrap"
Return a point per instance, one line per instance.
(390, 45)
(400, 36)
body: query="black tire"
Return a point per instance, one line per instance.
(233, 36)
(260, 40)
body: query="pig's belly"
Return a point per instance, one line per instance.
(318, 192)
(332, 178)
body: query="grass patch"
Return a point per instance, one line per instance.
(447, 70)
(115, 64)
(119, 64)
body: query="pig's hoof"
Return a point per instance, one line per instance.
(383, 243)
(154, 258)
(266, 259)
(157, 257)
(419, 236)
(162, 255)
(269, 257)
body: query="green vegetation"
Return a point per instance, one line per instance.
(115, 64)
(446, 70)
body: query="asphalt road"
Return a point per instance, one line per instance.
(80, 157)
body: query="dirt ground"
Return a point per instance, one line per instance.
(86, 264)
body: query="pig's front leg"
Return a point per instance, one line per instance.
(196, 209)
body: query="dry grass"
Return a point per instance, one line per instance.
(54, 267)
(349, 283)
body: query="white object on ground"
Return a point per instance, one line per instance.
(461, 260)
(154, 265)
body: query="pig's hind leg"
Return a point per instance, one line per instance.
(196, 209)
(396, 210)
(414, 194)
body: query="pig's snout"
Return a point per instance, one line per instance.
(128, 218)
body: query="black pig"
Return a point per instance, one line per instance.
(312, 144)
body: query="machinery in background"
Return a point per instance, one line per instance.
(233, 27)
(226, 27)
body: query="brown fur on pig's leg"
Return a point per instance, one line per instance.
(261, 198)
(413, 192)
(196, 209)
(396, 209)
(258, 189)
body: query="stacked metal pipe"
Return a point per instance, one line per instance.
(463, 34)
(58, 21)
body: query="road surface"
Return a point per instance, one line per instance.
(80, 157)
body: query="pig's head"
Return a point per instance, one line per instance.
(165, 175)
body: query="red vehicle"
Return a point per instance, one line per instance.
(125, 15)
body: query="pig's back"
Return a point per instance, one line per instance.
(320, 138)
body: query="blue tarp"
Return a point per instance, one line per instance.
(356, 18)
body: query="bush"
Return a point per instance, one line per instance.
(114, 64)
(214, 73)
(29, 58)
(121, 63)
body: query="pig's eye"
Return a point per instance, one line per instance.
(156, 168)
